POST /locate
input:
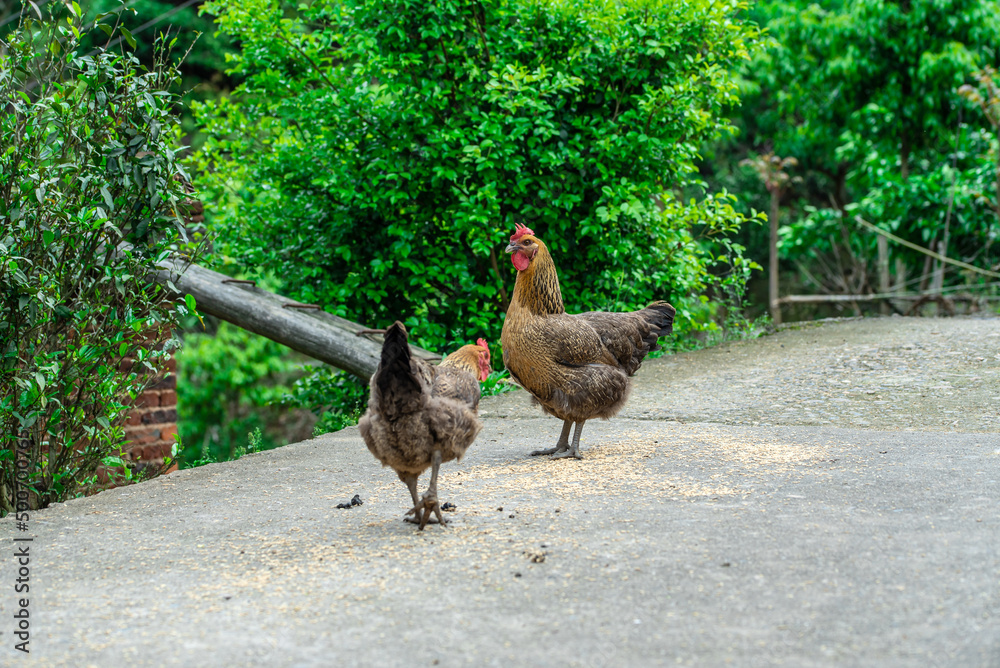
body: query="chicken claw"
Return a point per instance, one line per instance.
(563, 454)
(563, 448)
(429, 501)
(562, 444)
(428, 504)
(549, 451)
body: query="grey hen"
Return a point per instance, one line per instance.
(420, 415)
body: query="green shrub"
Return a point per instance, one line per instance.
(380, 153)
(336, 398)
(88, 205)
(866, 96)
(228, 386)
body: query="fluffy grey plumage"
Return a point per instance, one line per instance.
(420, 415)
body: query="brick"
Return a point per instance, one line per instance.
(170, 364)
(167, 383)
(134, 418)
(169, 433)
(126, 364)
(168, 398)
(141, 436)
(160, 416)
(148, 399)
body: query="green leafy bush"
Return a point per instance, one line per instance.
(866, 97)
(497, 382)
(379, 154)
(338, 399)
(88, 205)
(956, 195)
(229, 385)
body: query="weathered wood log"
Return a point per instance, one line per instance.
(304, 328)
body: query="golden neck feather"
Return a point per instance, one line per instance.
(537, 287)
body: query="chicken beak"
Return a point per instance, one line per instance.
(511, 247)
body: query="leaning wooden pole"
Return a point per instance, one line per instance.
(305, 328)
(772, 273)
(883, 271)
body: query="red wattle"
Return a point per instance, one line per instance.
(520, 261)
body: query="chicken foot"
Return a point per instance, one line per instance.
(411, 484)
(574, 449)
(429, 501)
(561, 445)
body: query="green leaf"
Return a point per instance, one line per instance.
(128, 36)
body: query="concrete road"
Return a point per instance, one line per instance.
(673, 542)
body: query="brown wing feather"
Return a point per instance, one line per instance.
(578, 366)
(629, 337)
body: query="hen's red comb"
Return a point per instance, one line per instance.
(482, 342)
(519, 231)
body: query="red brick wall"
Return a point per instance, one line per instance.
(152, 426)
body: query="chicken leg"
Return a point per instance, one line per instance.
(574, 450)
(411, 484)
(429, 501)
(561, 445)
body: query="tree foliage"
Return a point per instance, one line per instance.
(379, 153)
(88, 204)
(865, 96)
(228, 385)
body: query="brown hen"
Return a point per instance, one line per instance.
(577, 367)
(420, 415)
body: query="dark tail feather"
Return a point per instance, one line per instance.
(660, 316)
(394, 379)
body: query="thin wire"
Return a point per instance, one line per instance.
(16, 15)
(925, 251)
